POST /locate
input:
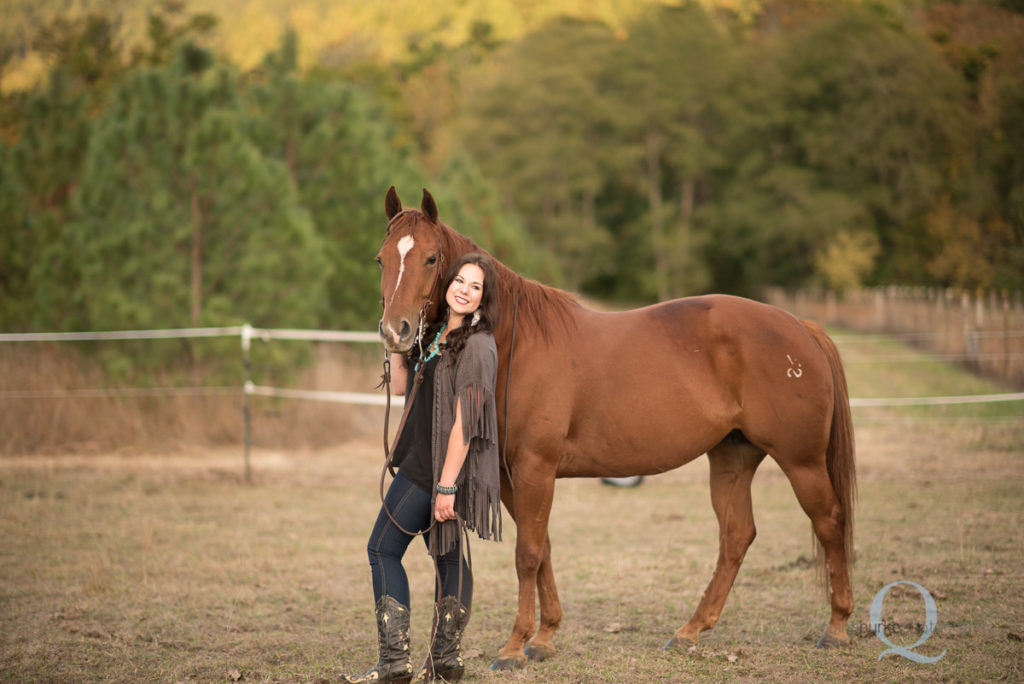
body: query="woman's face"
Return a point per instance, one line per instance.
(466, 290)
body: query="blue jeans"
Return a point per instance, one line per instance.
(410, 506)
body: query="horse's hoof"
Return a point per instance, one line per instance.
(677, 644)
(502, 663)
(830, 640)
(539, 652)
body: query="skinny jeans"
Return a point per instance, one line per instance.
(410, 505)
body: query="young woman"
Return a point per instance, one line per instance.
(447, 456)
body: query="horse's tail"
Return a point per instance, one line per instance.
(839, 456)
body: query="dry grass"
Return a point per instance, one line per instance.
(150, 566)
(57, 399)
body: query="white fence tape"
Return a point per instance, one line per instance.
(118, 392)
(321, 395)
(263, 334)
(122, 335)
(938, 401)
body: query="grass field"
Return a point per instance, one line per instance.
(169, 567)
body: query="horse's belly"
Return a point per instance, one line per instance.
(637, 444)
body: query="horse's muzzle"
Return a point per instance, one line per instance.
(396, 341)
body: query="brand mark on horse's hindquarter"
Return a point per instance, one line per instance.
(792, 372)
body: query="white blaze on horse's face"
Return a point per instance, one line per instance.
(405, 245)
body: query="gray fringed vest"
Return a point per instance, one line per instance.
(470, 378)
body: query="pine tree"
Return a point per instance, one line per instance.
(38, 173)
(181, 220)
(535, 121)
(342, 154)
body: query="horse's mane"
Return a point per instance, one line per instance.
(540, 307)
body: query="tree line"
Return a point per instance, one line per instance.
(177, 191)
(830, 145)
(691, 150)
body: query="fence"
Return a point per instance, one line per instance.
(975, 336)
(246, 334)
(982, 331)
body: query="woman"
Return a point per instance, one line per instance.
(448, 470)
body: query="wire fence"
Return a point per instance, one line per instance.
(247, 334)
(247, 388)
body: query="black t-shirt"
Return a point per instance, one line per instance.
(413, 453)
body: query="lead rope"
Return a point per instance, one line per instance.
(508, 384)
(432, 546)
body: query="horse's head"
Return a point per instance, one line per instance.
(412, 264)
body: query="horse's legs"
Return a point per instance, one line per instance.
(732, 469)
(817, 497)
(541, 645)
(532, 549)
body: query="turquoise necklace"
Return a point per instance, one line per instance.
(434, 349)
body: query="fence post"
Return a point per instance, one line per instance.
(970, 336)
(247, 400)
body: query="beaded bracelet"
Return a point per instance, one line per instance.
(441, 489)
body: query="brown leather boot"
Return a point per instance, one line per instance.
(393, 665)
(445, 660)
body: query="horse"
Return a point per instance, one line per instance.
(581, 393)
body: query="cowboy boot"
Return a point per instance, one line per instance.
(445, 660)
(393, 645)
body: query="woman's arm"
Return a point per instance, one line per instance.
(399, 374)
(455, 456)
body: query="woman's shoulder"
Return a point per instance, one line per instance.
(482, 340)
(481, 347)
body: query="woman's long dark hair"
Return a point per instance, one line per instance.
(489, 309)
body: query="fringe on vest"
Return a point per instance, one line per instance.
(478, 500)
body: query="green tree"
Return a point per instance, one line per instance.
(40, 168)
(341, 153)
(984, 212)
(472, 205)
(45, 136)
(671, 83)
(343, 150)
(181, 220)
(535, 122)
(853, 123)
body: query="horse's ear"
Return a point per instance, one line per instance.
(428, 206)
(392, 205)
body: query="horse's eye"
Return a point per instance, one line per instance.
(431, 260)
(379, 262)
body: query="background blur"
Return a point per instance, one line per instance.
(173, 164)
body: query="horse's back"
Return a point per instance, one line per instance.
(660, 385)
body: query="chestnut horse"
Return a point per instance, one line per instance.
(636, 393)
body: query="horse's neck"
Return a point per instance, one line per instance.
(543, 307)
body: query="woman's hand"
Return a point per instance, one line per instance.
(444, 507)
(399, 374)
(455, 456)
